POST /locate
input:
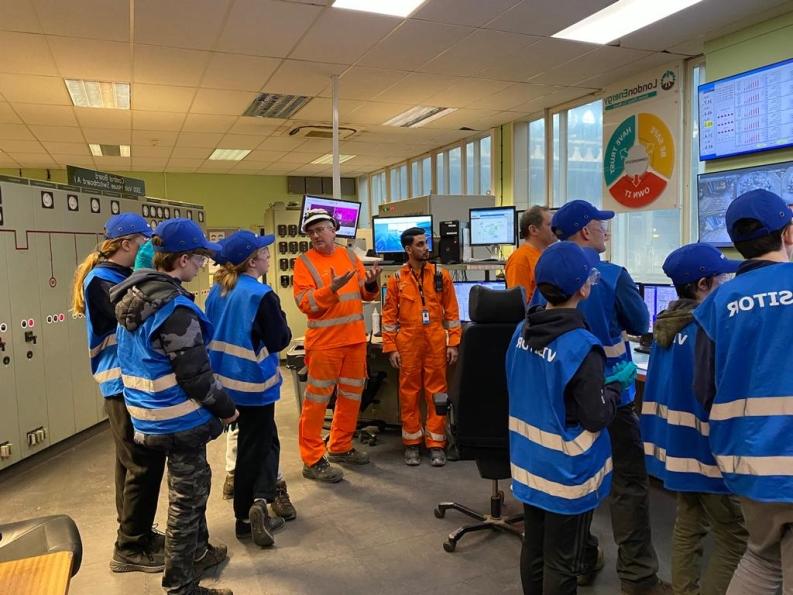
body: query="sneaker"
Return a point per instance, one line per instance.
(142, 560)
(659, 588)
(588, 577)
(323, 471)
(351, 457)
(156, 540)
(282, 505)
(214, 555)
(437, 457)
(242, 529)
(228, 486)
(412, 456)
(199, 590)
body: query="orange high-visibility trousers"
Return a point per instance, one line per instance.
(343, 368)
(423, 369)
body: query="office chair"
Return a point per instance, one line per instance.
(479, 405)
(43, 535)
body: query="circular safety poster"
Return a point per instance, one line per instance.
(639, 160)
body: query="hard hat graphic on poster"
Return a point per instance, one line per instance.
(639, 160)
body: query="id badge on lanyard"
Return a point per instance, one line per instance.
(425, 317)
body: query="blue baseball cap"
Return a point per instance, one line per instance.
(182, 235)
(241, 244)
(218, 257)
(761, 205)
(564, 265)
(574, 216)
(126, 224)
(692, 262)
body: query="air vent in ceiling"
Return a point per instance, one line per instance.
(321, 131)
(270, 105)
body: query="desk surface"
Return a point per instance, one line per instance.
(41, 575)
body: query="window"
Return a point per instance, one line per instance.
(485, 165)
(399, 182)
(558, 199)
(584, 153)
(415, 178)
(536, 155)
(426, 176)
(455, 171)
(377, 191)
(441, 184)
(470, 169)
(363, 197)
(641, 241)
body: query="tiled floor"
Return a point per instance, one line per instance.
(373, 533)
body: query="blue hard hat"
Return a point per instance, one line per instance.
(241, 244)
(126, 224)
(693, 262)
(182, 235)
(761, 205)
(574, 216)
(564, 265)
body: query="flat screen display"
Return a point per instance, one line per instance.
(462, 290)
(492, 226)
(657, 298)
(346, 212)
(715, 192)
(747, 112)
(386, 232)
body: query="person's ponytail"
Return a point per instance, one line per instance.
(106, 249)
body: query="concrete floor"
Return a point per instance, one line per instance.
(375, 532)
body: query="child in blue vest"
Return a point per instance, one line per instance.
(559, 407)
(744, 380)
(249, 330)
(675, 431)
(174, 401)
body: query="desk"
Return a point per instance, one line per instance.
(41, 575)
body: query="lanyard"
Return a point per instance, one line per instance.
(419, 282)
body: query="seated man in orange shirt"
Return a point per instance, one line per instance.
(535, 231)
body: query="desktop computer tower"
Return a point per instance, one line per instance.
(449, 244)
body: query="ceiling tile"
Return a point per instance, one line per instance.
(342, 36)
(364, 83)
(263, 155)
(25, 53)
(179, 23)
(302, 78)
(180, 162)
(540, 56)
(15, 132)
(284, 143)
(413, 44)
(148, 164)
(255, 126)
(236, 71)
(60, 148)
(481, 50)
(108, 136)
(8, 115)
(51, 115)
(191, 153)
(511, 96)
(208, 123)
(377, 113)
(103, 118)
(298, 158)
(169, 66)
(320, 109)
(140, 150)
(240, 141)
(94, 19)
(617, 74)
(64, 134)
(28, 88)
(19, 16)
(161, 98)
(415, 88)
(600, 61)
(249, 168)
(216, 101)
(34, 160)
(462, 12)
(92, 60)
(198, 139)
(221, 167)
(113, 163)
(21, 146)
(64, 159)
(545, 17)
(157, 120)
(466, 92)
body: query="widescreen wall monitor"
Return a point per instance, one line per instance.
(346, 212)
(386, 232)
(746, 113)
(462, 290)
(715, 192)
(492, 226)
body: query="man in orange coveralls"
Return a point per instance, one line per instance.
(535, 231)
(329, 284)
(421, 332)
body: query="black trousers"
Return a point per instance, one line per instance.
(138, 474)
(554, 551)
(629, 502)
(254, 476)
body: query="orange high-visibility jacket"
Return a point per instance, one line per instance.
(519, 270)
(403, 307)
(335, 319)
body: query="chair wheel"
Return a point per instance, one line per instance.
(449, 546)
(439, 514)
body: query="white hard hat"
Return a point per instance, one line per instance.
(316, 215)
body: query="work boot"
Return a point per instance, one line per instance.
(156, 540)
(282, 505)
(228, 486)
(659, 588)
(437, 457)
(262, 525)
(412, 456)
(139, 560)
(588, 577)
(199, 590)
(214, 555)
(351, 457)
(323, 471)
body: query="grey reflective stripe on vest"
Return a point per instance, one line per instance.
(577, 446)
(675, 417)
(449, 324)
(752, 407)
(756, 466)
(353, 258)
(249, 387)
(107, 375)
(312, 270)
(328, 322)
(312, 302)
(237, 351)
(681, 465)
(106, 342)
(568, 492)
(148, 385)
(163, 413)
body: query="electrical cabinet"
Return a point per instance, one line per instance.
(47, 392)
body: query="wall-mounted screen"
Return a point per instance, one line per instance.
(717, 190)
(492, 226)
(344, 211)
(747, 112)
(386, 232)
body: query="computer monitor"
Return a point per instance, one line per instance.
(462, 289)
(386, 232)
(346, 212)
(657, 297)
(492, 226)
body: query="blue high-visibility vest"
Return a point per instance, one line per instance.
(751, 420)
(559, 468)
(249, 373)
(155, 401)
(674, 424)
(102, 347)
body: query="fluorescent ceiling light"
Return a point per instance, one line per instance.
(229, 154)
(328, 159)
(418, 116)
(98, 94)
(621, 18)
(394, 8)
(109, 150)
